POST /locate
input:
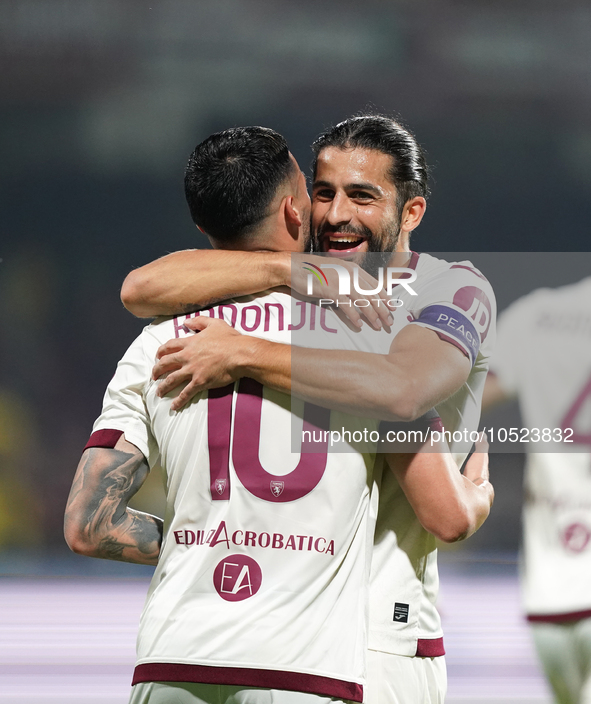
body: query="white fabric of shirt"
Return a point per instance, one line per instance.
(310, 612)
(185, 620)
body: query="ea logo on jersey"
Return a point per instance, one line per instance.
(277, 488)
(576, 537)
(237, 577)
(220, 485)
(477, 306)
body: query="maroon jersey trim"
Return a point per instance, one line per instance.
(559, 618)
(430, 648)
(247, 677)
(104, 438)
(435, 424)
(414, 260)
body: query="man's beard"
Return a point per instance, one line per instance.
(308, 239)
(379, 246)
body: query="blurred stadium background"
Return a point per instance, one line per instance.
(101, 101)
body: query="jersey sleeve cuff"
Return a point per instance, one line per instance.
(103, 438)
(108, 437)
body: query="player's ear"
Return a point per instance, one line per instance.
(292, 213)
(412, 213)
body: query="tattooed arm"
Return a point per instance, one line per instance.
(98, 522)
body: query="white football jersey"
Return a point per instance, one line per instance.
(544, 357)
(457, 302)
(263, 573)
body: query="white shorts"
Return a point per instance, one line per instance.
(189, 693)
(565, 652)
(398, 679)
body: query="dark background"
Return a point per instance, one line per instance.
(101, 101)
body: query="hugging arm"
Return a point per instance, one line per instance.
(197, 278)
(450, 505)
(98, 521)
(419, 372)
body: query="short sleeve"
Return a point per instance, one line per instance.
(458, 303)
(124, 408)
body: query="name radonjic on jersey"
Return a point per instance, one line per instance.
(222, 535)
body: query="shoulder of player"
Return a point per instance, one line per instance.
(437, 268)
(580, 290)
(162, 328)
(442, 282)
(551, 301)
(141, 351)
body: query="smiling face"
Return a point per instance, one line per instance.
(354, 205)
